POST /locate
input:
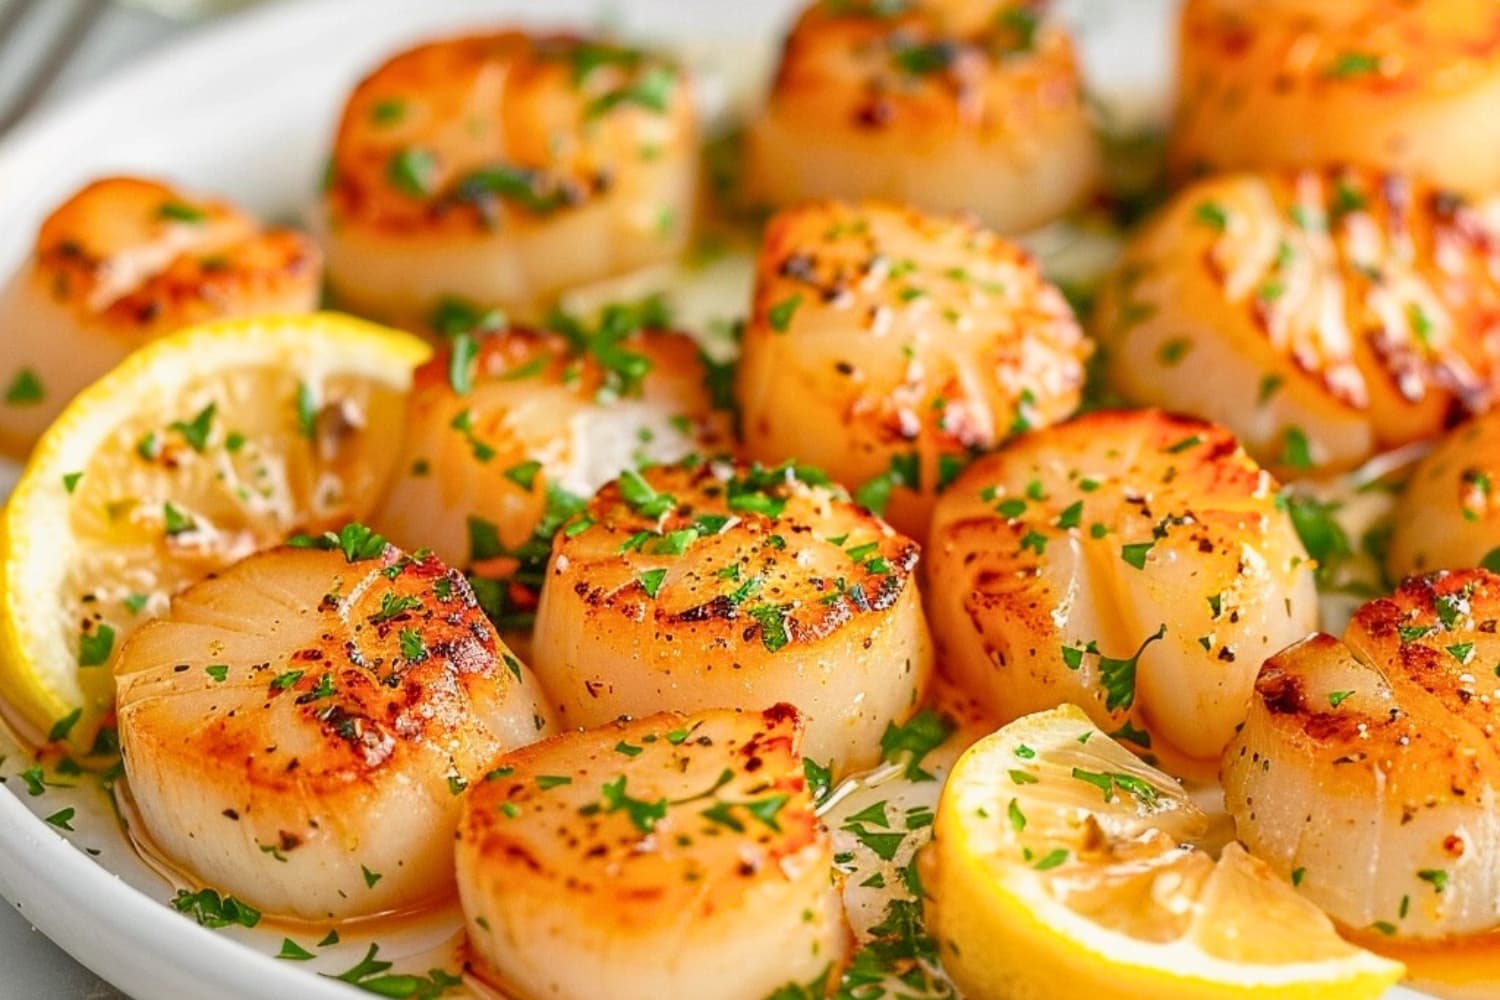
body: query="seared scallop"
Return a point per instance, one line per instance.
(1133, 563)
(124, 261)
(1323, 317)
(671, 856)
(889, 347)
(505, 168)
(1368, 770)
(948, 106)
(506, 436)
(297, 730)
(702, 585)
(1448, 516)
(1385, 84)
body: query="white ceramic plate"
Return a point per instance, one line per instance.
(245, 108)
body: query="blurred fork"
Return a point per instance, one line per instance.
(60, 41)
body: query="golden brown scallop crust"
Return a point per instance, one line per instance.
(1134, 563)
(604, 851)
(703, 599)
(909, 342)
(1385, 84)
(469, 136)
(998, 68)
(1361, 310)
(367, 703)
(1409, 639)
(139, 259)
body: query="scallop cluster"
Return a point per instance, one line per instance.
(643, 604)
(122, 262)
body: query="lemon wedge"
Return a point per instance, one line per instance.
(195, 451)
(1062, 866)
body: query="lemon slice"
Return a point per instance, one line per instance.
(1062, 866)
(197, 450)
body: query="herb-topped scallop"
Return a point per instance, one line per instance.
(508, 432)
(504, 169)
(974, 106)
(705, 584)
(1136, 564)
(673, 856)
(889, 347)
(122, 262)
(1448, 516)
(297, 731)
(1387, 84)
(1368, 769)
(1323, 316)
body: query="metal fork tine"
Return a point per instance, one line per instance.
(12, 15)
(53, 60)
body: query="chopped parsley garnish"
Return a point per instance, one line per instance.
(174, 521)
(64, 726)
(176, 211)
(642, 497)
(644, 815)
(1107, 782)
(1118, 675)
(912, 742)
(213, 911)
(195, 432)
(780, 314)
(1128, 733)
(357, 542)
(307, 411)
(393, 605)
(1296, 453)
(918, 59)
(413, 647)
(1269, 386)
(523, 474)
(1212, 214)
(1319, 529)
(763, 810)
(285, 680)
(536, 191)
(25, 389)
(1354, 64)
(905, 470)
(819, 779)
(94, 648)
(651, 581)
(1174, 350)
(623, 370)
(461, 353)
(373, 975)
(652, 90)
(453, 316)
(1135, 553)
(772, 620)
(413, 171)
